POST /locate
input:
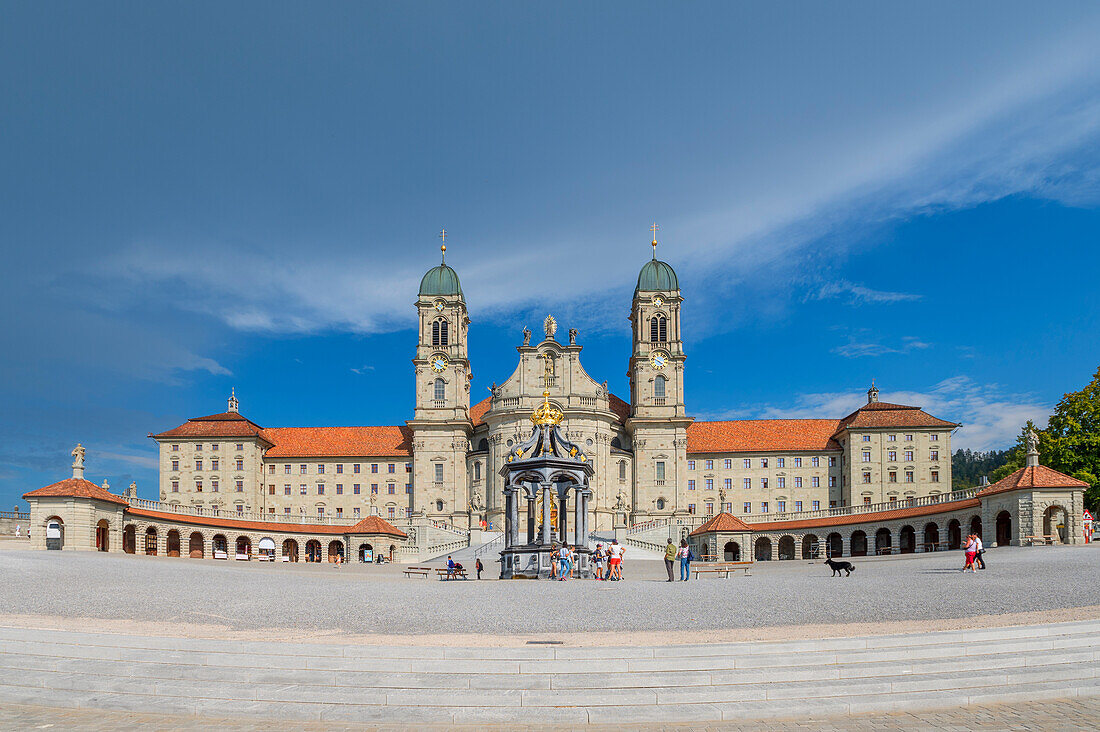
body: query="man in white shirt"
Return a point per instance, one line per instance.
(981, 550)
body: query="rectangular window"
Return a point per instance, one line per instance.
(214, 447)
(691, 509)
(746, 483)
(198, 447)
(355, 512)
(270, 468)
(764, 507)
(439, 472)
(748, 507)
(815, 482)
(660, 470)
(391, 489)
(798, 462)
(286, 489)
(908, 456)
(866, 500)
(798, 481)
(781, 482)
(746, 463)
(409, 488)
(763, 462)
(320, 489)
(710, 465)
(374, 489)
(691, 465)
(302, 489)
(214, 465)
(727, 463)
(374, 467)
(339, 468)
(339, 512)
(814, 462)
(866, 456)
(240, 486)
(764, 483)
(892, 455)
(198, 465)
(891, 438)
(240, 446)
(710, 509)
(408, 467)
(908, 438)
(392, 467)
(935, 476)
(389, 512)
(934, 455)
(691, 484)
(339, 489)
(728, 484)
(286, 469)
(355, 468)
(355, 489)
(175, 486)
(908, 476)
(287, 510)
(302, 469)
(781, 462)
(866, 438)
(781, 506)
(710, 484)
(933, 438)
(832, 481)
(815, 505)
(866, 477)
(270, 490)
(240, 464)
(240, 508)
(320, 511)
(893, 499)
(175, 448)
(832, 462)
(893, 476)
(214, 486)
(321, 469)
(175, 465)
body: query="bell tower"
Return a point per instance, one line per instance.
(441, 423)
(658, 416)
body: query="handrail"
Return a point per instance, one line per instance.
(17, 515)
(862, 508)
(484, 548)
(271, 518)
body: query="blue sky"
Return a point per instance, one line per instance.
(206, 195)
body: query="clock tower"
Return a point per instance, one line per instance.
(441, 423)
(658, 418)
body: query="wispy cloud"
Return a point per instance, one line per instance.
(362, 370)
(856, 348)
(859, 294)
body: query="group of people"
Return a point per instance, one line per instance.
(606, 561)
(974, 551)
(682, 553)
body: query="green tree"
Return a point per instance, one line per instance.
(1071, 441)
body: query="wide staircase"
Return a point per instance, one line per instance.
(546, 685)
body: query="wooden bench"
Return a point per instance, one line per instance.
(723, 568)
(451, 574)
(1048, 539)
(418, 571)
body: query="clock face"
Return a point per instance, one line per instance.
(659, 360)
(439, 362)
(658, 301)
(439, 305)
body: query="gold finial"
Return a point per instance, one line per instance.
(654, 228)
(547, 414)
(443, 246)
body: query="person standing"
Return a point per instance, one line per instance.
(597, 560)
(670, 558)
(971, 552)
(615, 561)
(563, 562)
(979, 550)
(477, 565)
(685, 560)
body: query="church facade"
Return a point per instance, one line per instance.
(651, 459)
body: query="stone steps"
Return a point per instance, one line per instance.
(548, 685)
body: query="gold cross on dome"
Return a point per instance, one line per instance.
(443, 246)
(654, 228)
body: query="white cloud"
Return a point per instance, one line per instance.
(857, 349)
(858, 294)
(145, 461)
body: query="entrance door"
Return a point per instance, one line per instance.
(54, 534)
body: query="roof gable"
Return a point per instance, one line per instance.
(76, 488)
(722, 522)
(1033, 476)
(761, 435)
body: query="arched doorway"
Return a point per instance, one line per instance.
(954, 534)
(102, 535)
(366, 553)
(810, 548)
(763, 549)
(195, 546)
(393, 552)
(266, 548)
(859, 544)
(907, 540)
(244, 547)
(1054, 523)
(786, 547)
(1004, 528)
(129, 539)
(151, 541)
(976, 525)
(313, 551)
(220, 546)
(336, 551)
(883, 541)
(290, 550)
(173, 543)
(931, 537)
(55, 533)
(835, 545)
(732, 552)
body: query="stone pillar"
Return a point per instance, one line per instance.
(509, 525)
(547, 496)
(530, 520)
(563, 517)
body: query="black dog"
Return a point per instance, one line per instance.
(837, 567)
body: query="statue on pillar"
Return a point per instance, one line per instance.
(78, 461)
(526, 336)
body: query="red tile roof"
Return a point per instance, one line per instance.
(1039, 476)
(383, 441)
(77, 488)
(885, 415)
(477, 412)
(369, 525)
(619, 407)
(860, 518)
(722, 522)
(226, 424)
(762, 435)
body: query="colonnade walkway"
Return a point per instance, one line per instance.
(422, 685)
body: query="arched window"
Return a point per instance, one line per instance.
(659, 387)
(622, 470)
(440, 392)
(439, 333)
(658, 329)
(660, 504)
(477, 471)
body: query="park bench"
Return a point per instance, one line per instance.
(1048, 539)
(418, 571)
(723, 568)
(451, 574)
(242, 557)
(220, 555)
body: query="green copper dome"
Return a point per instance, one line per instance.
(657, 276)
(440, 280)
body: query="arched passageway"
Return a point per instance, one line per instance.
(732, 552)
(244, 547)
(55, 533)
(365, 553)
(786, 547)
(976, 525)
(290, 550)
(883, 541)
(102, 535)
(129, 539)
(266, 548)
(336, 551)
(835, 545)
(196, 546)
(1054, 523)
(1004, 528)
(173, 548)
(151, 541)
(954, 534)
(393, 552)
(220, 546)
(313, 551)
(763, 549)
(931, 537)
(907, 540)
(859, 543)
(810, 547)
